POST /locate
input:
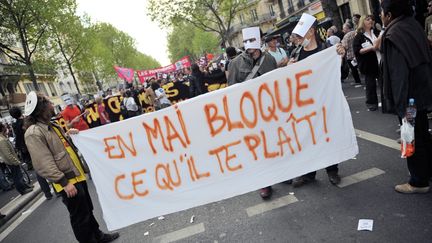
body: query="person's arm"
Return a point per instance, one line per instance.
(399, 78)
(8, 153)
(284, 60)
(43, 160)
(233, 72)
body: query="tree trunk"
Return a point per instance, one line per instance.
(32, 76)
(73, 76)
(281, 9)
(331, 10)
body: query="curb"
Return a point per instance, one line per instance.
(18, 203)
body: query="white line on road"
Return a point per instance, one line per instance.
(355, 98)
(17, 222)
(361, 176)
(267, 206)
(181, 234)
(378, 139)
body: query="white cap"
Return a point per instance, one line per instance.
(67, 99)
(305, 23)
(30, 103)
(251, 38)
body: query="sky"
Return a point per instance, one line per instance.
(130, 16)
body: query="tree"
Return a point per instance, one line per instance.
(23, 28)
(68, 34)
(208, 15)
(331, 10)
(187, 40)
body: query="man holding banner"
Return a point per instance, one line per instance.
(256, 63)
(55, 158)
(310, 44)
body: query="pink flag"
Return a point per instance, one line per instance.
(125, 73)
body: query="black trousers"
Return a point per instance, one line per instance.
(420, 164)
(371, 92)
(80, 207)
(44, 185)
(354, 72)
(331, 168)
(18, 178)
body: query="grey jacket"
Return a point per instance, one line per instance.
(7, 152)
(242, 65)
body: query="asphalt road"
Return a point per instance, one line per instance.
(318, 212)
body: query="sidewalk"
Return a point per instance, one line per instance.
(18, 202)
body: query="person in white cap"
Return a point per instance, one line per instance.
(253, 62)
(306, 30)
(56, 159)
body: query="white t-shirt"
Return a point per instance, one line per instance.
(161, 93)
(333, 40)
(130, 104)
(278, 55)
(373, 38)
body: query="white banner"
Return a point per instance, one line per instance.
(283, 124)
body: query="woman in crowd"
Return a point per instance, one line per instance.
(161, 96)
(368, 59)
(104, 118)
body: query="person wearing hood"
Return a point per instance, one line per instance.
(407, 73)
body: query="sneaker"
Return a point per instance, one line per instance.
(49, 197)
(266, 192)
(334, 178)
(2, 216)
(105, 238)
(408, 189)
(302, 180)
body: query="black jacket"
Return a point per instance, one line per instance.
(367, 62)
(407, 65)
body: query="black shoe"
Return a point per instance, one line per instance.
(49, 197)
(266, 192)
(334, 178)
(105, 238)
(2, 216)
(302, 180)
(27, 190)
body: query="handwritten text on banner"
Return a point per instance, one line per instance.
(232, 141)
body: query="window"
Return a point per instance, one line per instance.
(42, 88)
(254, 15)
(272, 12)
(52, 88)
(29, 87)
(300, 4)
(290, 6)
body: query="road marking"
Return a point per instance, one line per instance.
(273, 204)
(355, 98)
(181, 234)
(23, 216)
(361, 176)
(8, 207)
(391, 143)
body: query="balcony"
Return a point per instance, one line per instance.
(16, 98)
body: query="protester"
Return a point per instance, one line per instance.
(21, 147)
(336, 32)
(367, 58)
(347, 43)
(407, 73)
(196, 82)
(250, 64)
(356, 20)
(307, 33)
(72, 114)
(130, 104)
(150, 95)
(231, 53)
(10, 158)
(332, 39)
(428, 24)
(253, 61)
(45, 142)
(161, 96)
(278, 53)
(103, 115)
